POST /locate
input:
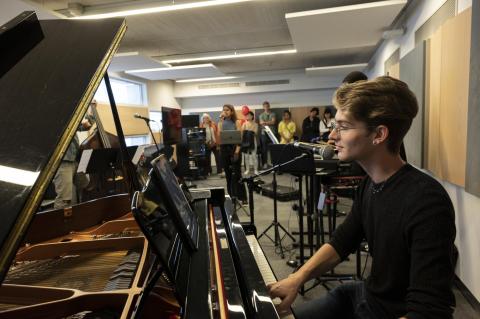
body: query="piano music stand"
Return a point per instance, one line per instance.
(102, 160)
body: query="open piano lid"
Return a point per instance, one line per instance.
(43, 98)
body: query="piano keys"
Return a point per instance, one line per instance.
(226, 279)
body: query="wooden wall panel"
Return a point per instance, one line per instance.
(393, 71)
(298, 114)
(472, 182)
(130, 125)
(412, 72)
(454, 97)
(448, 74)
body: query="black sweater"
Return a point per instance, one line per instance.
(410, 228)
(310, 129)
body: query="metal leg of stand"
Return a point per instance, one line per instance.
(310, 215)
(275, 224)
(316, 212)
(300, 222)
(330, 206)
(235, 191)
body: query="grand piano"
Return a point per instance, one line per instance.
(97, 259)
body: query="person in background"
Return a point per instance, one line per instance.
(249, 143)
(245, 110)
(211, 145)
(231, 159)
(267, 118)
(354, 76)
(67, 182)
(65, 175)
(411, 240)
(310, 126)
(326, 124)
(286, 128)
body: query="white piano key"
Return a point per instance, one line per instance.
(263, 265)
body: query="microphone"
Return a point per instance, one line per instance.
(138, 116)
(324, 150)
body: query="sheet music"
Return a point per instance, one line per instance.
(138, 154)
(82, 166)
(271, 135)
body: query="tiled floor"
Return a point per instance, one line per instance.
(288, 218)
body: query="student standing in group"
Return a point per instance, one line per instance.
(211, 145)
(310, 126)
(405, 215)
(249, 143)
(267, 118)
(326, 124)
(230, 153)
(286, 128)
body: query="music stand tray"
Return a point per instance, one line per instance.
(282, 153)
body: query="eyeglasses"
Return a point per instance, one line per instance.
(338, 127)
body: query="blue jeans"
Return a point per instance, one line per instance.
(347, 301)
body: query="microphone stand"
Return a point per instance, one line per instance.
(151, 133)
(275, 224)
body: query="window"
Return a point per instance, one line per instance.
(157, 117)
(134, 140)
(127, 92)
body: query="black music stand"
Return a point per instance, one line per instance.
(331, 171)
(280, 166)
(305, 166)
(100, 161)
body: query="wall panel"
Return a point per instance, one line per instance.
(412, 72)
(447, 100)
(472, 183)
(454, 97)
(130, 125)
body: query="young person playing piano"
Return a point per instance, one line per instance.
(405, 215)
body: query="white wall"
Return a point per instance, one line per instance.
(301, 91)
(254, 101)
(298, 82)
(467, 206)
(160, 93)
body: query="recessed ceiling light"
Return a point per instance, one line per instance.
(122, 54)
(167, 8)
(333, 67)
(235, 55)
(207, 79)
(173, 68)
(345, 8)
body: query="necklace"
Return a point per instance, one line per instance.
(377, 188)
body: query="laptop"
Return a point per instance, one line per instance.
(230, 137)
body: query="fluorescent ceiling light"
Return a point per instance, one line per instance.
(234, 55)
(123, 54)
(173, 7)
(173, 68)
(207, 79)
(17, 176)
(345, 8)
(333, 67)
